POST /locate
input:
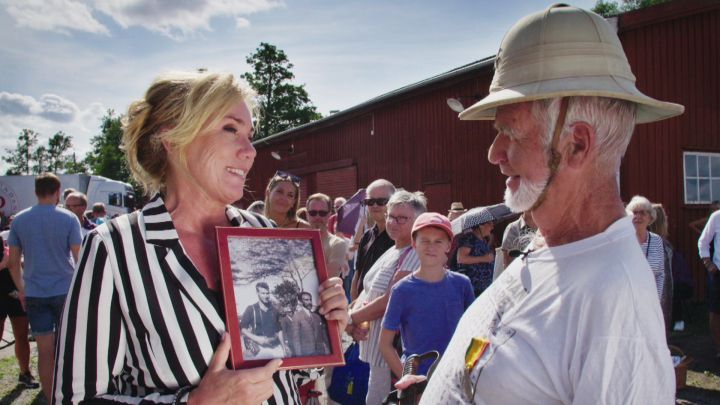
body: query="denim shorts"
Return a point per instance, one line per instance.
(44, 313)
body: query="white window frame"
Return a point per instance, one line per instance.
(709, 177)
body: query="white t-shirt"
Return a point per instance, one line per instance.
(376, 284)
(572, 324)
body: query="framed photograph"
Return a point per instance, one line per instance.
(270, 280)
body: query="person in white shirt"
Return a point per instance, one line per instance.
(710, 235)
(576, 319)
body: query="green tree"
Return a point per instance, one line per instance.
(40, 156)
(612, 8)
(57, 152)
(72, 165)
(606, 8)
(283, 105)
(106, 158)
(20, 157)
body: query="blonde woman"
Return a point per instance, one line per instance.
(144, 321)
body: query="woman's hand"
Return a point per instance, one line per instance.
(220, 385)
(333, 303)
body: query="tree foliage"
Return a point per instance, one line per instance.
(253, 260)
(29, 158)
(106, 158)
(283, 105)
(20, 157)
(611, 8)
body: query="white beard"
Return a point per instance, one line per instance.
(526, 195)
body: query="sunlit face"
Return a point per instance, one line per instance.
(520, 152)
(641, 218)
(306, 301)
(282, 197)
(432, 245)
(264, 295)
(454, 214)
(76, 205)
(377, 212)
(318, 207)
(337, 204)
(399, 222)
(221, 156)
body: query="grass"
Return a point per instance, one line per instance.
(10, 392)
(703, 375)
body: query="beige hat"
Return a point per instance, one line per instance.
(457, 207)
(564, 51)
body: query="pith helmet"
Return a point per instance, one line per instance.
(564, 51)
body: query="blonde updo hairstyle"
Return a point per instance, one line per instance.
(176, 108)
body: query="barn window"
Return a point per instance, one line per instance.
(702, 177)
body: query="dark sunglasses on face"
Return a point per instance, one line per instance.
(380, 202)
(287, 176)
(314, 213)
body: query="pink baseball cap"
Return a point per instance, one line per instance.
(432, 219)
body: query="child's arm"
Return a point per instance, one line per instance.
(389, 353)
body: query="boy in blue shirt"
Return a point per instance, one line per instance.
(426, 306)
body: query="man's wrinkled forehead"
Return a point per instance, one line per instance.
(513, 119)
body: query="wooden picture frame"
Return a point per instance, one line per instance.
(270, 280)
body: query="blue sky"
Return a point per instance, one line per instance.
(63, 63)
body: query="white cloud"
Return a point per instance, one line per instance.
(47, 115)
(54, 15)
(50, 106)
(180, 18)
(176, 19)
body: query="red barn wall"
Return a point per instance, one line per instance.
(414, 140)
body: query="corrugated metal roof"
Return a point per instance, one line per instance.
(347, 113)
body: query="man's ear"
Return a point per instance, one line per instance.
(579, 144)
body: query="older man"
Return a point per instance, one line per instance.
(335, 248)
(397, 262)
(375, 241)
(577, 319)
(76, 202)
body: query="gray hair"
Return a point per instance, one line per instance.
(380, 183)
(79, 195)
(612, 119)
(416, 200)
(642, 203)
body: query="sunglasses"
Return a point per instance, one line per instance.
(314, 213)
(380, 202)
(287, 176)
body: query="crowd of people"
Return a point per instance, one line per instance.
(572, 305)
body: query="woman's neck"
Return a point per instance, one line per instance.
(280, 218)
(402, 243)
(642, 234)
(194, 215)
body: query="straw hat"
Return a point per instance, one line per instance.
(564, 51)
(457, 207)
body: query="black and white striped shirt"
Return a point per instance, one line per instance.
(654, 251)
(140, 322)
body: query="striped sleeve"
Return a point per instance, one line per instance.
(92, 345)
(656, 259)
(91, 319)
